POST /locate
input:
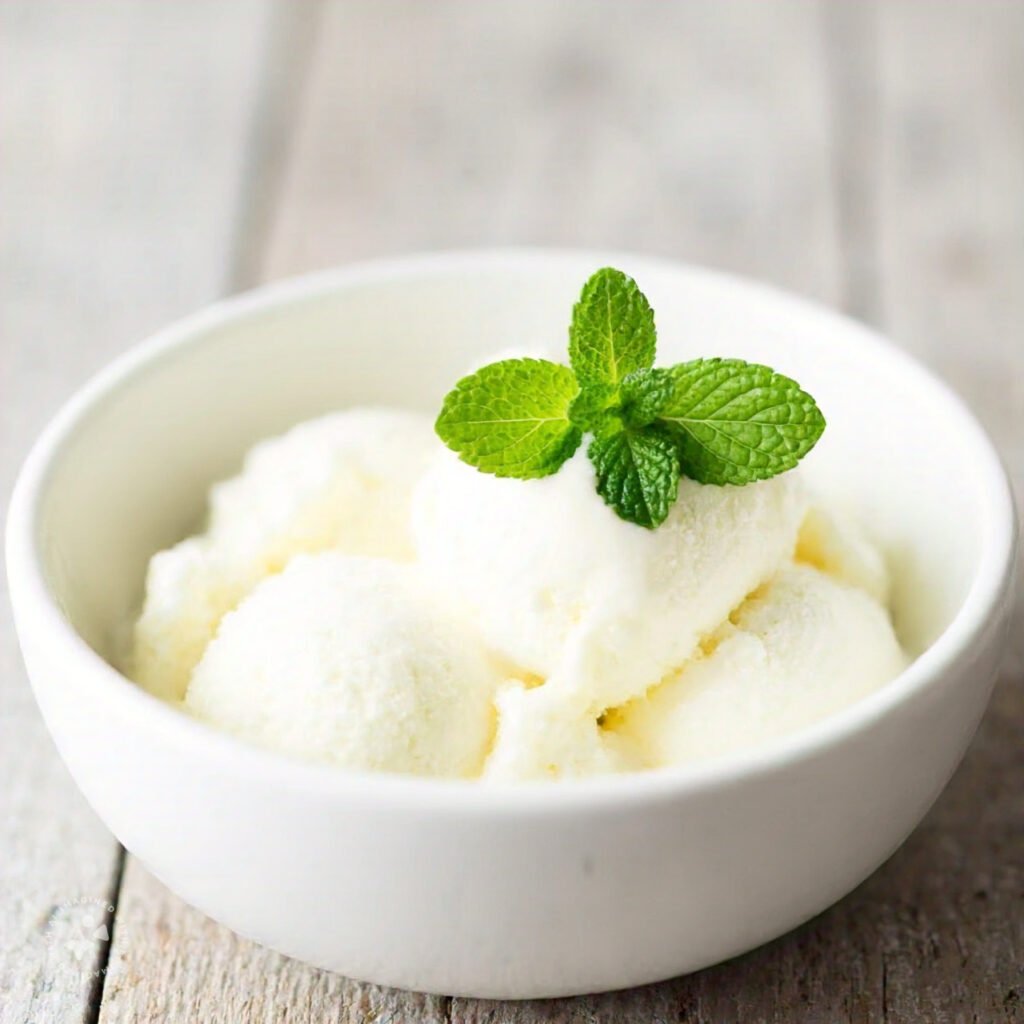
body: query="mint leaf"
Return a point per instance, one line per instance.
(593, 411)
(638, 401)
(637, 474)
(644, 395)
(612, 333)
(737, 422)
(511, 418)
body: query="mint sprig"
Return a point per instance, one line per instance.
(717, 421)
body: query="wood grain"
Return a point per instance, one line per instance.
(867, 154)
(120, 169)
(950, 202)
(691, 129)
(950, 230)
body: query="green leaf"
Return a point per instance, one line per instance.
(644, 395)
(511, 418)
(637, 474)
(591, 410)
(738, 422)
(612, 333)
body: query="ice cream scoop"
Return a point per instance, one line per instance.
(802, 647)
(347, 660)
(618, 646)
(598, 607)
(342, 482)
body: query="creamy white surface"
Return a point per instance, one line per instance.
(802, 647)
(510, 629)
(832, 541)
(342, 482)
(349, 660)
(565, 589)
(542, 736)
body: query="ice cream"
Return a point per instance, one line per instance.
(362, 598)
(541, 735)
(568, 591)
(801, 647)
(342, 482)
(348, 660)
(599, 608)
(833, 542)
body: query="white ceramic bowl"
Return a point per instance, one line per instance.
(453, 887)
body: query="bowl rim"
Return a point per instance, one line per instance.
(103, 689)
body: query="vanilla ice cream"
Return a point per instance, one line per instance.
(801, 647)
(348, 660)
(342, 482)
(566, 590)
(833, 541)
(598, 607)
(542, 736)
(363, 598)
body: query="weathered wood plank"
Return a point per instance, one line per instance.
(950, 216)
(119, 171)
(950, 229)
(744, 180)
(697, 130)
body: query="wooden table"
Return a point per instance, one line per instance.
(154, 156)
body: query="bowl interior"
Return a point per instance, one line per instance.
(135, 454)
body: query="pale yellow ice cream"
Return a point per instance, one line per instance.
(833, 542)
(350, 661)
(342, 482)
(505, 629)
(803, 646)
(599, 608)
(566, 590)
(542, 736)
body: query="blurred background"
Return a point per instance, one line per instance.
(155, 156)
